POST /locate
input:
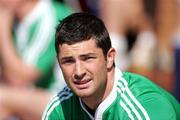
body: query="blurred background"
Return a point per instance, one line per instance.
(145, 34)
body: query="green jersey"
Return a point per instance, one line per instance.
(133, 97)
(34, 39)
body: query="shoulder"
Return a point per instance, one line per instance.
(139, 81)
(142, 86)
(133, 76)
(146, 97)
(65, 94)
(54, 107)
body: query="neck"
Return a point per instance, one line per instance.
(93, 102)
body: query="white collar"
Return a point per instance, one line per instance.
(108, 101)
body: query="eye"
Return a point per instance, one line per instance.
(88, 58)
(67, 61)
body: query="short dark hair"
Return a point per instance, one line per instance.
(82, 26)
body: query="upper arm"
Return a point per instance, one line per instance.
(158, 107)
(155, 103)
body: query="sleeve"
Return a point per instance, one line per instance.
(152, 101)
(54, 115)
(40, 52)
(62, 10)
(158, 107)
(53, 111)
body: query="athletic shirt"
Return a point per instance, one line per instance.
(34, 39)
(133, 97)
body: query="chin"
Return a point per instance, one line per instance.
(84, 94)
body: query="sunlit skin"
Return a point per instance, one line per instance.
(17, 8)
(86, 70)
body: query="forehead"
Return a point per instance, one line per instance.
(83, 47)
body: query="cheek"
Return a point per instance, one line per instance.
(98, 70)
(66, 73)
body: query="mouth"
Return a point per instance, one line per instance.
(82, 84)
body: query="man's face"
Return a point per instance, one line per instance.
(84, 67)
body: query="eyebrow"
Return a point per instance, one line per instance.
(66, 58)
(82, 55)
(88, 54)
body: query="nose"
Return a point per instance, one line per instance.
(79, 71)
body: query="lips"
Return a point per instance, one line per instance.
(82, 84)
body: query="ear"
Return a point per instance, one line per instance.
(110, 58)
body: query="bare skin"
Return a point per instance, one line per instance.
(14, 74)
(166, 24)
(123, 15)
(22, 103)
(17, 96)
(82, 64)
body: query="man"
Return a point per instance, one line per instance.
(27, 56)
(96, 89)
